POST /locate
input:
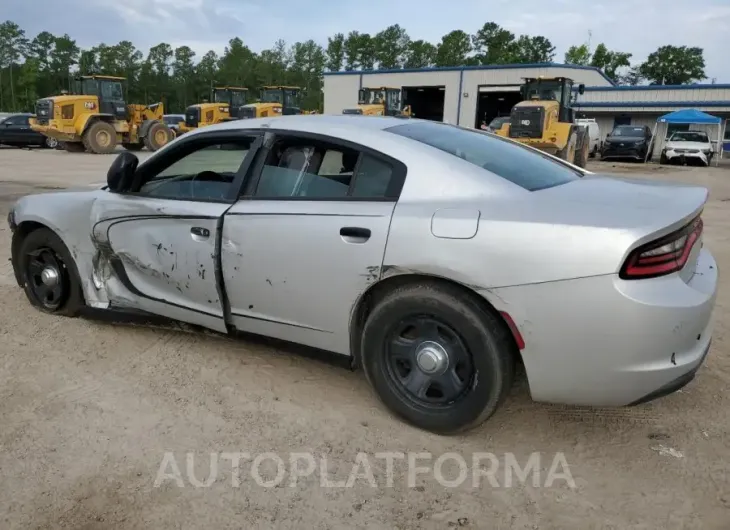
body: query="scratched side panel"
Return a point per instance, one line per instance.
(146, 257)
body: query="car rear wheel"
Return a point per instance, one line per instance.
(49, 275)
(437, 358)
(50, 143)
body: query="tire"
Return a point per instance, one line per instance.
(40, 250)
(663, 159)
(100, 138)
(581, 155)
(133, 147)
(157, 136)
(567, 153)
(594, 153)
(74, 147)
(479, 343)
(50, 143)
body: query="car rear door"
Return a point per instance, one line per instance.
(158, 245)
(308, 238)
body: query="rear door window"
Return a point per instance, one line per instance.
(518, 164)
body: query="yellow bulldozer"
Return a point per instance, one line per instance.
(226, 104)
(381, 101)
(545, 120)
(95, 118)
(275, 101)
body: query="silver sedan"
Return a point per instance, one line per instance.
(435, 257)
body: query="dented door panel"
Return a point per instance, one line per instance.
(294, 269)
(159, 256)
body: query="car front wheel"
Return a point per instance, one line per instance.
(50, 143)
(49, 275)
(437, 357)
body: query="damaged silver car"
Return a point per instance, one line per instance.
(435, 257)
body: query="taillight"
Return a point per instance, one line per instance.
(663, 256)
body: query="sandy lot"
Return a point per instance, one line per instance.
(88, 411)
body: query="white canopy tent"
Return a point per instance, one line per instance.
(691, 117)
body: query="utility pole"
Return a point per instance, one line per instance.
(590, 36)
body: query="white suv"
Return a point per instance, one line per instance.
(687, 146)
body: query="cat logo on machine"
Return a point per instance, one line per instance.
(525, 122)
(90, 105)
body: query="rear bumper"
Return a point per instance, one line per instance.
(603, 341)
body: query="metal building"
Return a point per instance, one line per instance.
(468, 95)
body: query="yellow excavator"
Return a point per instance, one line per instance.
(275, 101)
(381, 101)
(96, 118)
(226, 104)
(545, 120)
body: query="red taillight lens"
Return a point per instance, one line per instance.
(663, 256)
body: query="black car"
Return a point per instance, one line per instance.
(627, 141)
(15, 131)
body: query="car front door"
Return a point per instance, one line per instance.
(12, 131)
(157, 245)
(308, 238)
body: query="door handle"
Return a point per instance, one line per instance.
(355, 234)
(198, 232)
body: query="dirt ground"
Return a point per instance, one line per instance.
(88, 411)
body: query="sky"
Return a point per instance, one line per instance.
(635, 26)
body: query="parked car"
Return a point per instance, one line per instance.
(594, 135)
(627, 141)
(497, 123)
(15, 131)
(338, 232)
(687, 146)
(173, 121)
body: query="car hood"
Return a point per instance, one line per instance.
(688, 145)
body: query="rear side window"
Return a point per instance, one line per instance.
(511, 161)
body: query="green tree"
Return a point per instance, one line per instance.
(13, 46)
(391, 47)
(493, 44)
(184, 69)
(420, 54)
(674, 65)
(533, 50)
(609, 61)
(580, 55)
(453, 49)
(335, 52)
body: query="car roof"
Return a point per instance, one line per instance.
(315, 123)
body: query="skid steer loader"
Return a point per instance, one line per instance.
(226, 105)
(545, 120)
(95, 118)
(382, 101)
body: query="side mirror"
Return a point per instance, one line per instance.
(581, 89)
(120, 174)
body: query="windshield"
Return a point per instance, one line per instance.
(174, 119)
(689, 137)
(370, 96)
(497, 123)
(291, 98)
(238, 98)
(628, 131)
(544, 90)
(111, 90)
(518, 164)
(220, 95)
(272, 95)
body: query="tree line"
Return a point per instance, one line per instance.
(43, 65)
